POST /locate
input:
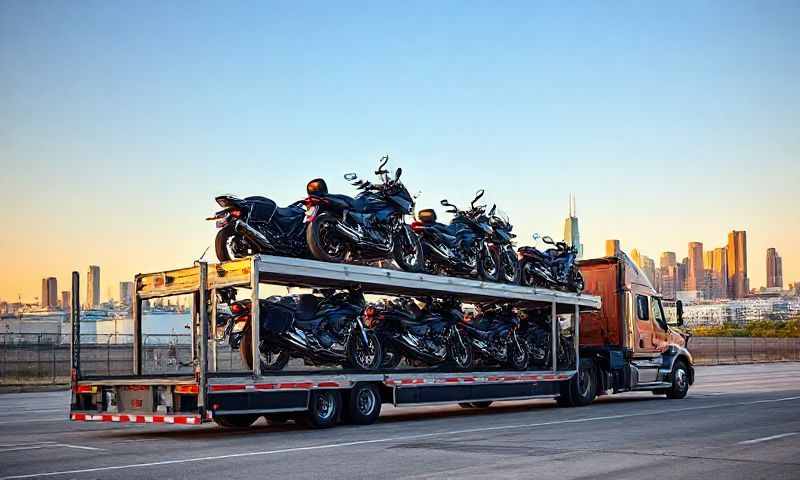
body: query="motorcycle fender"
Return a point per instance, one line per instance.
(362, 330)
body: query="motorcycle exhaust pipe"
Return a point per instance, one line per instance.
(297, 338)
(252, 234)
(347, 232)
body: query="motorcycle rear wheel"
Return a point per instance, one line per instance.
(222, 243)
(272, 361)
(510, 268)
(323, 241)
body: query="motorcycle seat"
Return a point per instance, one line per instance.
(288, 215)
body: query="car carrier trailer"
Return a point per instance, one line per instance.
(323, 397)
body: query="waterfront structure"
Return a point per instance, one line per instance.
(572, 235)
(126, 293)
(612, 248)
(738, 283)
(695, 272)
(774, 269)
(93, 286)
(66, 303)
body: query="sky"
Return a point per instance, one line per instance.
(120, 121)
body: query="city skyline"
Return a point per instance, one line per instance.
(116, 162)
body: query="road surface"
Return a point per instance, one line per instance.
(738, 422)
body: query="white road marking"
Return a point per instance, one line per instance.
(766, 439)
(6, 445)
(390, 439)
(31, 420)
(49, 445)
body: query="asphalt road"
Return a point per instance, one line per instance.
(738, 422)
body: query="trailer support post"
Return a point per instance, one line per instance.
(136, 313)
(203, 346)
(255, 316)
(554, 333)
(213, 337)
(75, 341)
(576, 339)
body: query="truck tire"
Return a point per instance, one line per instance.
(680, 381)
(581, 389)
(235, 421)
(323, 409)
(364, 404)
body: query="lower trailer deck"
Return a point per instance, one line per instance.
(199, 397)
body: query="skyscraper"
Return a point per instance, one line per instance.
(43, 298)
(612, 248)
(667, 259)
(720, 267)
(648, 266)
(683, 274)
(93, 286)
(774, 269)
(738, 283)
(66, 304)
(126, 293)
(636, 257)
(694, 279)
(571, 234)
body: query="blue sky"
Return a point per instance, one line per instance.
(671, 122)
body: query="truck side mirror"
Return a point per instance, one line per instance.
(679, 309)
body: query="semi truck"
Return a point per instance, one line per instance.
(604, 359)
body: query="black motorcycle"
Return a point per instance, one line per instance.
(321, 329)
(427, 336)
(501, 241)
(493, 333)
(257, 225)
(537, 332)
(461, 248)
(553, 268)
(367, 228)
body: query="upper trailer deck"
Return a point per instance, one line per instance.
(296, 272)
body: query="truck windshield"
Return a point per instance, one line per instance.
(658, 312)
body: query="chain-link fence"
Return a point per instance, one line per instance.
(32, 358)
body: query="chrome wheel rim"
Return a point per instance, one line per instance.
(365, 357)
(366, 401)
(328, 241)
(325, 406)
(410, 250)
(680, 379)
(489, 263)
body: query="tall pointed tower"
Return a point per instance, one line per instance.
(571, 234)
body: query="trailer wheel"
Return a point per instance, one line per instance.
(323, 409)
(364, 405)
(680, 381)
(581, 389)
(235, 421)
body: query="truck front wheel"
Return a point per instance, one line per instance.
(680, 381)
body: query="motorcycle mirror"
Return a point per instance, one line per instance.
(494, 209)
(548, 239)
(384, 160)
(350, 176)
(478, 195)
(397, 173)
(536, 236)
(445, 203)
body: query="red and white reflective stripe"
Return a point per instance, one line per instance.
(108, 417)
(241, 387)
(473, 379)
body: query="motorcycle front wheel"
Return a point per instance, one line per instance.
(323, 241)
(517, 355)
(488, 264)
(459, 352)
(408, 251)
(364, 357)
(509, 266)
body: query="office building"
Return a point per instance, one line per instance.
(738, 283)
(126, 293)
(668, 259)
(49, 298)
(93, 287)
(774, 269)
(66, 304)
(695, 267)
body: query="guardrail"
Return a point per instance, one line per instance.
(732, 350)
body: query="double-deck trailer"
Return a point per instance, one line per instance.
(323, 397)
